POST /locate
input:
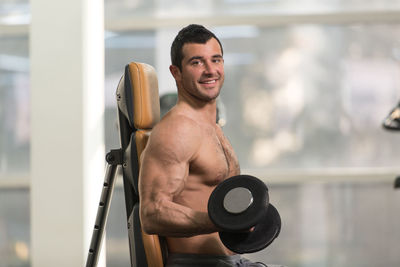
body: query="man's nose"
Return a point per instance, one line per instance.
(209, 68)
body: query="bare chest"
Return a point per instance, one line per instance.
(216, 159)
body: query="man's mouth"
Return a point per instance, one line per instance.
(209, 81)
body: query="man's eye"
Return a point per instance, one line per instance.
(196, 62)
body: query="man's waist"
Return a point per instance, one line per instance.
(209, 244)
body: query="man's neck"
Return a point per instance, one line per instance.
(199, 110)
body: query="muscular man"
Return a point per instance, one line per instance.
(187, 156)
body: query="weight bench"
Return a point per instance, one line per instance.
(138, 112)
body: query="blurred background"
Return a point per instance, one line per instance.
(308, 84)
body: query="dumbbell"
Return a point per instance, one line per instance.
(240, 206)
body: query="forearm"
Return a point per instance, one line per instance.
(171, 219)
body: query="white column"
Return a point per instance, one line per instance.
(67, 143)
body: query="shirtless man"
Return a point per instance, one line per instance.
(187, 156)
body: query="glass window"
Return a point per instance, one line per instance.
(14, 227)
(117, 246)
(14, 104)
(295, 97)
(14, 12)
(311, 96)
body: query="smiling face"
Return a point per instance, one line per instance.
(202, 74)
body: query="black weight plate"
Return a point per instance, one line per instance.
(262, 236)
(246, 219)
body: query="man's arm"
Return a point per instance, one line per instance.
(163, 174)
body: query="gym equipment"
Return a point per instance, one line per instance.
(240, 206)
(138, 112)
(397, 182)
(392, 121)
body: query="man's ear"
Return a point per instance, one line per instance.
(175, 71)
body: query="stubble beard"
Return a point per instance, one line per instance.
(207, 97)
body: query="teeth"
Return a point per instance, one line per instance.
(209, 82)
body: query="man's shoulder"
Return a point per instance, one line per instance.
(175, 136)
(178, 123)
(176, 129)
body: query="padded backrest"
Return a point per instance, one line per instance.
(139, 111)
(146, 108)
(138, 92)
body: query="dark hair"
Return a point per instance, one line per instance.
(192, 33)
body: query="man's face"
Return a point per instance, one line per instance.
(202, 74)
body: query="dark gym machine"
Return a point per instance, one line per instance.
(138, 111)
(392, 123)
